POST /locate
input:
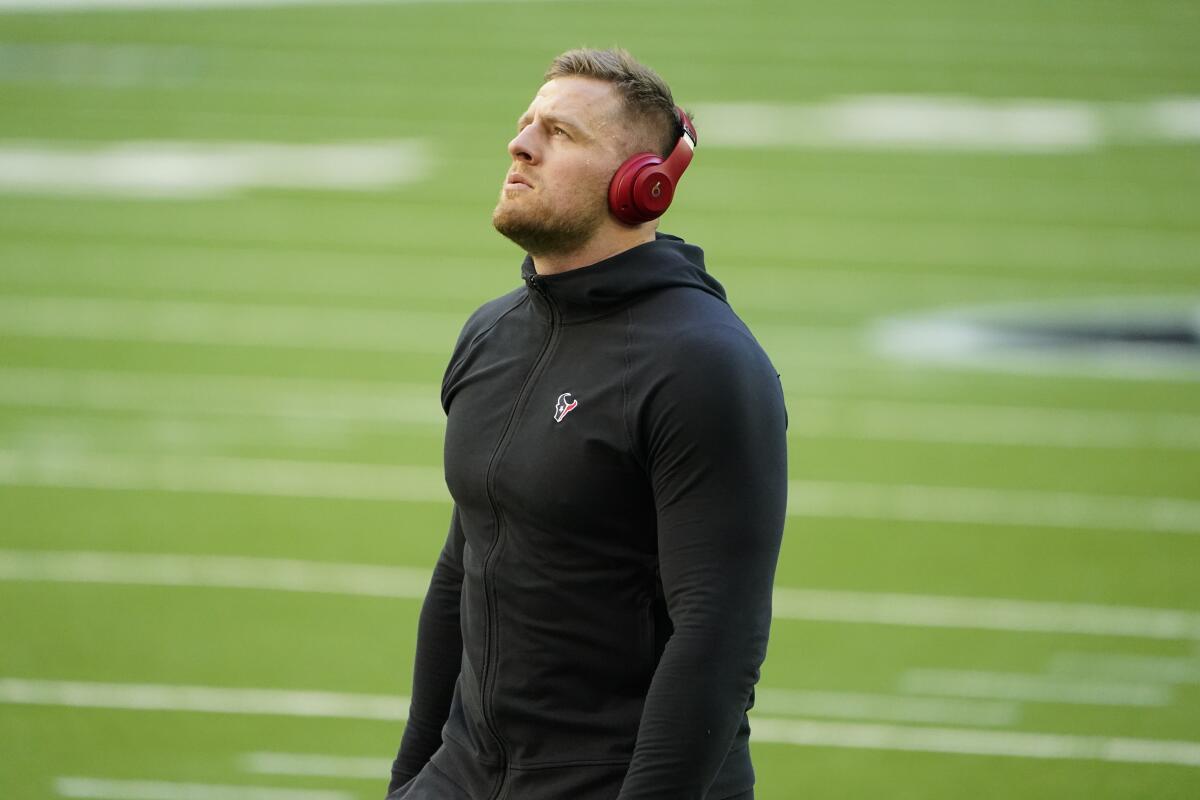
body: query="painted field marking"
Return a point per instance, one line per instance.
(387, 403)
(986, 613)
(766, 729)
(228, 395)
(209, 434)
(104, 65)
(288, 419)
(1032, 688)
(109, 789)
(993, 424)
(812, 605)
(375, 330)
(317, 765)
(393, 483)
(884, 707)
(179, 322)
(965, 741)
(1126, 667)
(1154, 341)
(347, 705)
(203, 699)
(175, 169)
(951, 123)
(265, 477)
(225, 572)
(182, 5)
(309, 327)
(985, 506)
(866, 736)
(186, 266)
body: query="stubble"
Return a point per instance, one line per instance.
(545, 231)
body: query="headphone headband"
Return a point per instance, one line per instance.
(685, 125)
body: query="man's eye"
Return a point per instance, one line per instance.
(559, 131)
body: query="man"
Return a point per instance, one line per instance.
(615, 450)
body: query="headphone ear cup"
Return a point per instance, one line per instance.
(653, 190)
(623, 195)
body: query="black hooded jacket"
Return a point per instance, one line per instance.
(615, 448)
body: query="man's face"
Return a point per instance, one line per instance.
(567, 147)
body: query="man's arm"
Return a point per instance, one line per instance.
(438, 661)
(715, 439)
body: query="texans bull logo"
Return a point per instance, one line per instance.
(564, 405)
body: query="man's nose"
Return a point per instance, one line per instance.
(524, 146)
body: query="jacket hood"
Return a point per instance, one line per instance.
(603, 287)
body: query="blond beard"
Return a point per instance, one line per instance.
(548, 234)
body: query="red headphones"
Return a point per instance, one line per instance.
(642, 187)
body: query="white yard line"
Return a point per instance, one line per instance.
(986, 613)
(819, 733)
(198, 435)
(1032, 688)
(226, 572)
(923, 611)
(385, 707)
(376, 330)
(985, 506)
(171, 5)
(386, 403)
(298, 419)
(386, 482)
(308, 327)
(884, 707)
(221, 267)
(1126, 667)
(265, 477)
(227, 395)
(109, 789)
(950, 123)
(905, 738)
(202, 699)
(993, 424)
(346, 705)
(180, 322)
(317, 765)
(766, 729)
(201, 169)
(188, 268)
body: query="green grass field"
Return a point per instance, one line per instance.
(220, 440)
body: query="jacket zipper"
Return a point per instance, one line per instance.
(491, 650)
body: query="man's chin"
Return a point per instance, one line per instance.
(505, 218)
(538, 236)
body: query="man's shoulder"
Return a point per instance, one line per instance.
(487, 315)
(682, 319)
(685, 331)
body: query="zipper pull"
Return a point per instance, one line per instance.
(535, 283)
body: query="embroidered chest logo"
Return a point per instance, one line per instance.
(564, 405)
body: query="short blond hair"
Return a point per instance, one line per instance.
(645, 95)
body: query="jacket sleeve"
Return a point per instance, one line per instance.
(438, 661)
(714, 433)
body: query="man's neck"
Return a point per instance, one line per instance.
(596, 249)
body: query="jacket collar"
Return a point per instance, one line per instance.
(606, 286)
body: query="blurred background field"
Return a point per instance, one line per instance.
(236, 245)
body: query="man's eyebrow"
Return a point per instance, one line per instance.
(556, 120)
(553, 119)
